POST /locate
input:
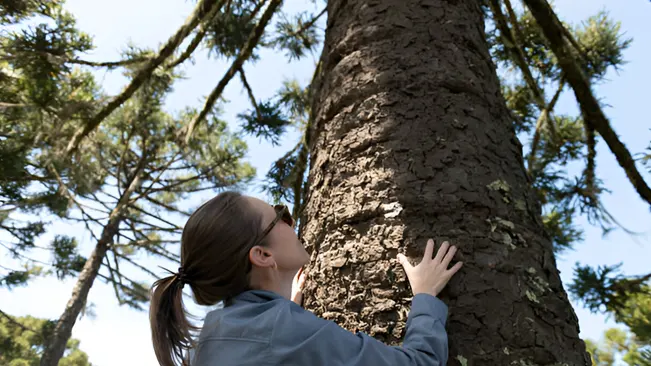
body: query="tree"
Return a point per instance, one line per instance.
(36, 93)
(148, 175)
(22, 341)
(629, 302)
(120, 165)
(411, 138)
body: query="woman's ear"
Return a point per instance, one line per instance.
(261, 257)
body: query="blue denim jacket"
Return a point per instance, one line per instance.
(263, 328)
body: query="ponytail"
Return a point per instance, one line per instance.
(170, 328)
(215, 246)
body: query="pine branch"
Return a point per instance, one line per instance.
(249, 91)
(203, 8)
(154, 227)
(511, 38)
(245, 53)
(590, 108)
(544, 114)
(152, 215)
(166, 206)
(196, 41)
(590, 166)
(135, 60)
(301, 167)
(161, 171)
(120, 285)
(63, 188)
(120, 164)
(176, 183)
(15, 253)
(19, 324)
(309, 24)
(4, 105)
(113, 280)
(144, 239)
(134, 263)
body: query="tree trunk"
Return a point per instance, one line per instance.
(56, 345)
(411, 139)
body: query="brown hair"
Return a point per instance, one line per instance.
(214, 262)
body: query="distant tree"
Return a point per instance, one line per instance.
(22, 342)
(619, 344)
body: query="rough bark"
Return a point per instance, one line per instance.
(592, 114)
(56, 345)
(411, 139)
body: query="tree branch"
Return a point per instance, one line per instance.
(245, 53)
(18, 324)
(152, 215)
(165, 206)
(135, 60)
(113, 280)
(196, 41)
(141, 267)
(249, 91)
(544, 114)
(203, 8)
(515, 47)
(590, 108)
(309, 24)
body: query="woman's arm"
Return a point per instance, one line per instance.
(301, 338)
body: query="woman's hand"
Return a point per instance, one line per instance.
(432, 274)
(297, 287)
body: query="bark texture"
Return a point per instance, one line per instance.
(411, 139)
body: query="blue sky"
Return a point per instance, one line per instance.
(118, 335)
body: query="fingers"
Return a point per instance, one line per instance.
(442, 250)
(301, 281)
(457, 266)
(298, 298)
(448, 257)
(429, 250)
(404, 261)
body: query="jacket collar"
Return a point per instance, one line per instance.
(257, 296)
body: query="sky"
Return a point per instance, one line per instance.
(119, 335)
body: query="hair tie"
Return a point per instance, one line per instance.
(180, 275)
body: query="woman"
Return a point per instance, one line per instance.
(245, 252)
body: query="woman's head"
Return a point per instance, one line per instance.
(230, 244)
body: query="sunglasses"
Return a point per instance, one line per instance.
(282, 213)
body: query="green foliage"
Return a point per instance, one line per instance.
(46, 98)
(19, 277)
(603, 44)
(21, 342)
(285, 179)
(229, 29)
(563, 140)
(266, 121)
(66, 259)
(607, 290)
(297, 36)
(13, 11)
(619, 343)
(39, 53)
